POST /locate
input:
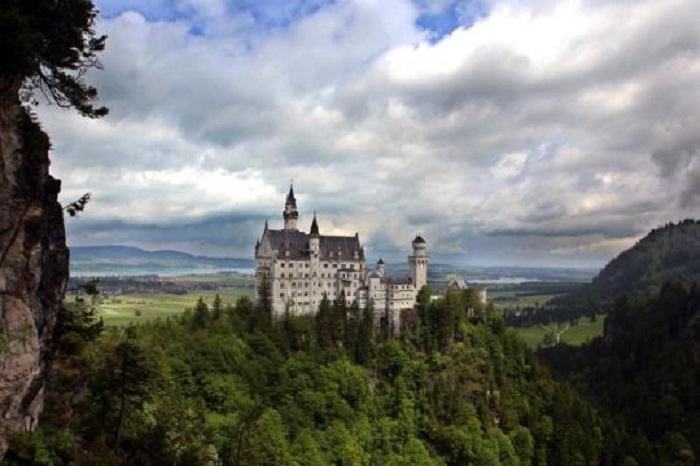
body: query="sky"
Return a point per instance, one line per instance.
(505, 132)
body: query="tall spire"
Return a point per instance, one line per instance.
(291, 200)
(290, 213)
(314, 226)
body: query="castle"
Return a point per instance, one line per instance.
(301, 268)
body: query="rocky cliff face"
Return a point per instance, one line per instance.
(33, 265)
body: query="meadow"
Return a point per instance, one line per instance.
(575, 335)
(121, 310)
(510, 299)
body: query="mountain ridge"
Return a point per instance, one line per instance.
(111, 258)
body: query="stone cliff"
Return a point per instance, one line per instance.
(33, 265)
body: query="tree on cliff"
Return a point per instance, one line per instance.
(48, 46)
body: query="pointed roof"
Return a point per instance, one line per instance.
(290, 196)
(314, 227)
(419, 240)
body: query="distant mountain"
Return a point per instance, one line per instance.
(131, 260)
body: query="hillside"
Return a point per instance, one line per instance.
(669, 252)
(229, 385)
(129, 260)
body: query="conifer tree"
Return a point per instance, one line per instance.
(201, 314)
(217, 307)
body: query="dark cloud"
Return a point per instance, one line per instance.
(572, 232)
(232, 233)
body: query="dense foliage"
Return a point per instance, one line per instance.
(48, 46)
(231, 385)
(646, 370)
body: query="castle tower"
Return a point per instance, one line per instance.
(418, 263)
(314, 239)
(290, 213)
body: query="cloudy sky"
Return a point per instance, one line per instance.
(506, 132)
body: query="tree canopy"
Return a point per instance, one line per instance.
(47, 46)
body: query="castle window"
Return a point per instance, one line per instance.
(335, 266)
(325, 266)
(282, 265)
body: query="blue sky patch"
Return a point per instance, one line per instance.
(441, 22)
(267, 14)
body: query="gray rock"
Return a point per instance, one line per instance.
(33, 265)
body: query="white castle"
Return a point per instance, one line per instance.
(301, 268)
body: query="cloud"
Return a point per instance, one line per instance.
(502, 131)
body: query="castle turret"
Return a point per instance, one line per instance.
(314, 238)
(418, 263)
(380, 267)
(290, 213)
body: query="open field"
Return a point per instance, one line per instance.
(528, 294)
(576, 335)
(509, 299)
(223, 279)
(123, 309)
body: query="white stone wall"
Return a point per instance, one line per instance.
(301, 284)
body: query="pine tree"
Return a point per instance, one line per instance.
(201, 314)
(217, 307)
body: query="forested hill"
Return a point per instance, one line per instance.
(231, 385)
(669, 252)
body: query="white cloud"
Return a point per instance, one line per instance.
(539, 118)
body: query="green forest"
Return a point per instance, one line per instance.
(231, 385)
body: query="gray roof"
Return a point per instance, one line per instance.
(297, 243)
(398, 280)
